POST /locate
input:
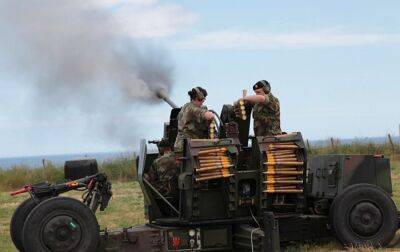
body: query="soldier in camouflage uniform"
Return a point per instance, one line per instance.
(193, 119)
(266, 111)
(163, 174)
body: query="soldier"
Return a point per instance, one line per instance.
(193, 119)
(266, 111)
(164, 172)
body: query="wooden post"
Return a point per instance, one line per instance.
(332, 143)
(392, 145)
(308, 145)
(44, 177)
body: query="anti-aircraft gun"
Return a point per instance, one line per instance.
(243, 193)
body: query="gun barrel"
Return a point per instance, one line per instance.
(163, 96)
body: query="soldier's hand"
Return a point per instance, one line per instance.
(209, 116)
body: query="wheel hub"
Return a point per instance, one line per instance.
(62, 233)
(365, 219)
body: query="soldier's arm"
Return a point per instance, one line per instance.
(209, 116)
(256, 99)
(202, 113)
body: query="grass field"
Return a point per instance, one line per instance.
(126, 209)
(126, 206)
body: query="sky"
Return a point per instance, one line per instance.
(334, 65)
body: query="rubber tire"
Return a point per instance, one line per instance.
(49, 208)
(350, 197)
(17, 222)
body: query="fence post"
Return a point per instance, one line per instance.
(308, 145)
(332, 143)
(392, 146)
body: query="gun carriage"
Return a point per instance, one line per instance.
(236, 193)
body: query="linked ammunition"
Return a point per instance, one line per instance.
(282, 177)
(273, 168)
(285, 160)
(212, 130)
(284, 172)
(215, 166)
(242, 109)
(280, 187)
(281, 156)
(283, 169)
(284, 191)
(214, 158)
(212, 161)
(213, 177)
(211, 173)
(277, 152)
(284, 163)
(270, 181)
(214, 150)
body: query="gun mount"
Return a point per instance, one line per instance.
(240, 193)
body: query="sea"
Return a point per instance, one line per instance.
(59, 160)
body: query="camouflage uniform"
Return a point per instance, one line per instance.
(266, 116)
(164, 175)
(191, 124)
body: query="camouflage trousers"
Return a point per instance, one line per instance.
(266, 132)
(164, 175)
(267, 129)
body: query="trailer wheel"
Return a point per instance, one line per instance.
(17, 222)
(364, 215)
(61, 224)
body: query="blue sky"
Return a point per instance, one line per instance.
(333, 65)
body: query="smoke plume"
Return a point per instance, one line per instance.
(74, 55)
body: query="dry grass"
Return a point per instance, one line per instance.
(126, 209)
(122, 169)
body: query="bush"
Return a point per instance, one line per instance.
(120, 169)
(335, 147)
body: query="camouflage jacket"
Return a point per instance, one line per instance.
(191, 124)
(164, 174)
(267, 117)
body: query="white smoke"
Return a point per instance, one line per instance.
(74, 54)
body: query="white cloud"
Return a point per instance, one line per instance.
(113, 3)
(146, 18)
(258, 40)
(154, 20)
